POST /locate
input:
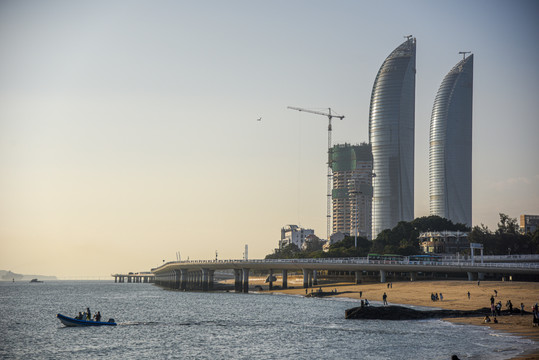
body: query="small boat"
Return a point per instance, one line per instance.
(35, 281)
(69, 321)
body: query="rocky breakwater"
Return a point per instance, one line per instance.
(394, 312)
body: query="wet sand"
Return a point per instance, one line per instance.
(454, 297)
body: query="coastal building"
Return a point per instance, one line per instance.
(443, 242)
(450, 150)
(391, 136)
(293, 234)
(529, 223)
(352, 189)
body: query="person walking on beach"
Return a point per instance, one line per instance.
(510, 306)
(384, 298)
(468, 295)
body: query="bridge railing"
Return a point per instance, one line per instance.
(458, 263)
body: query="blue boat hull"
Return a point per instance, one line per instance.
(68, 321)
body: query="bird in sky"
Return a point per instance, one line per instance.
(259, 119)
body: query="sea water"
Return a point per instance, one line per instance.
(160, 324)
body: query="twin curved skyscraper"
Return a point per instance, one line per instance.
(391, 136)
(450, 150)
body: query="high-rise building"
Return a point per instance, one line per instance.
(450, 150)
(352, 189)
(529, 223)
(391, 136)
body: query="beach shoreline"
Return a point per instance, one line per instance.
(453, 292)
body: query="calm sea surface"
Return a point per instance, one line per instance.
(159, 324)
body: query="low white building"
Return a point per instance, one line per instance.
(293, 234)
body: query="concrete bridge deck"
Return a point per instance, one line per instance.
(199, 273)
(140, 277)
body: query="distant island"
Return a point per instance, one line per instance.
(10, 276)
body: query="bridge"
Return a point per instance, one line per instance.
(199, 274)
(139, 277)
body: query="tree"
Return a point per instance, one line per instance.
(402, 239)
(313, 243)
(437, 223)
(290, 251)
(507, 225)
(347, 248)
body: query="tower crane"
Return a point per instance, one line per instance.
(330, 116)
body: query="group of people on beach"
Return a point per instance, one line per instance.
(87, 315)
(435, 297)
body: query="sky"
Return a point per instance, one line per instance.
(129, 132)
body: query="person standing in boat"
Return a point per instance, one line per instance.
(88, 314)
(98, 316)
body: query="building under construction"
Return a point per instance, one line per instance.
(352, 189)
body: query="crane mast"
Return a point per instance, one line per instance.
(330, 116)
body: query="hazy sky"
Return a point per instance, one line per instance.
(128, 129)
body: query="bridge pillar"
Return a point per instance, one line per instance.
(190, 280)
(285, 279)
(310, 278)
(237, 280)
(358, 277)
(383, 276)
(315, 280)
(129, 279)
(245, 280)
(194, 279)
(413, 276)
(305, 278)
(183, 279)
(116, 279)
(177, 276)
(470, 276)
(480, 276)
(199, 279)
(205, 279)
(270, 279)
(211, 274)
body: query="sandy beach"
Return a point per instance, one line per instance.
(455, 296)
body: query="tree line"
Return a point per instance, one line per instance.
(506, 239)
(403, 239)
